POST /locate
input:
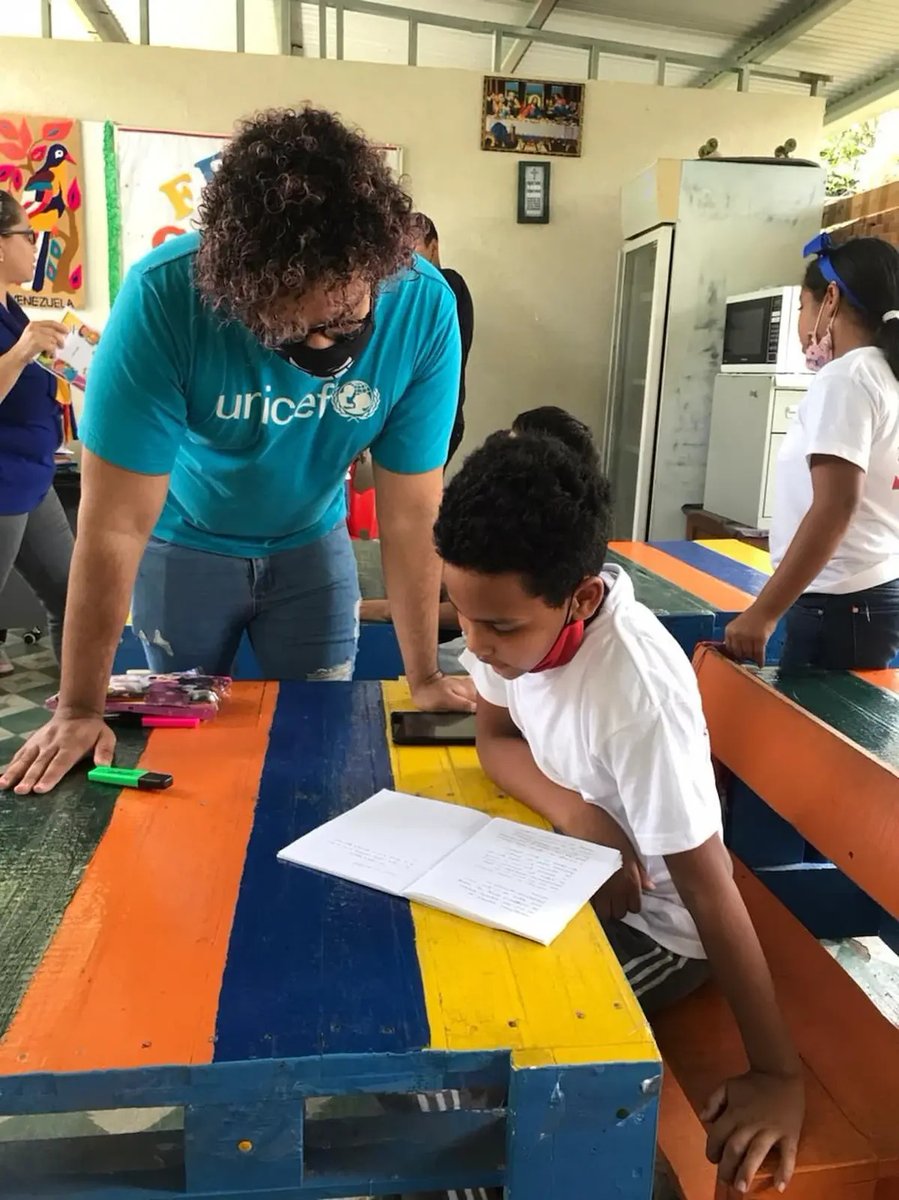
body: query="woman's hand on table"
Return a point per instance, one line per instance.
(51, 752)
(445, 693)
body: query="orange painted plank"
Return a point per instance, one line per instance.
(834, 1161)
(802, 968)
(837, 795)
(723, 596)
(132, 976)
(851, 1138)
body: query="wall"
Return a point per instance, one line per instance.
(544, 294)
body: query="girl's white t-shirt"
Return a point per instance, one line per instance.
(622, 724)
(850, 411)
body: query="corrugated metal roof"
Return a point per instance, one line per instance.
(706, 16)
(857, 43)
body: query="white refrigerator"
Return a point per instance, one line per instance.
(694, 233)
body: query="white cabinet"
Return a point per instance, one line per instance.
(750, 418)
(694, 233)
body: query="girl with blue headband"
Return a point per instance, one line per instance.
(835, 531)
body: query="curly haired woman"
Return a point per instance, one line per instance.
(242, 370)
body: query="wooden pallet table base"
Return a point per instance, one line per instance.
(169, 960)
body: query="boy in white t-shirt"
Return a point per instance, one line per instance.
(590, 714)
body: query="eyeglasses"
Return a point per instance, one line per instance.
(25, 233)
(343, 332)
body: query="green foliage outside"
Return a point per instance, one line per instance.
(841, 154)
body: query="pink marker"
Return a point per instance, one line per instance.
(170, 722)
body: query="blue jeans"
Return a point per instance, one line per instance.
(856, 632)
(298, 607)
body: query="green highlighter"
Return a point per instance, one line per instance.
(146, 781)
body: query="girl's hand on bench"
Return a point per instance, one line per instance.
(750, 1116)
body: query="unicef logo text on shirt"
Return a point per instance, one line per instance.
(352, 399)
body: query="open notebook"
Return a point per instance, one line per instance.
(496, 872)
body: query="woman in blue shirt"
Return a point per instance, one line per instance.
(35, 536)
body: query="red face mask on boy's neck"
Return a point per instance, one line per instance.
(563, 648)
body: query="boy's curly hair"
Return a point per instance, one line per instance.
(532, 505)
(299, 200)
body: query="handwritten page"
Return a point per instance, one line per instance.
(514, 877)
(499, 873)
(387, 842)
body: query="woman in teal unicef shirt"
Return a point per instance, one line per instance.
(241, 372)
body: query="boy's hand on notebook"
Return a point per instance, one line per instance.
(750, 1116)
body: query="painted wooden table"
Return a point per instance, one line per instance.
(725, 576)
(816, 809)
(154, 953)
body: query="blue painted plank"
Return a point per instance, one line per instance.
(889, 932)
(316, 965)
(378, 656)
(239, 1082)
(583, 1131)
(758, 835)
(719, 566)
(825, 900)
(243, 1147)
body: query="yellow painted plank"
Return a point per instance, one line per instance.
(752, 556)
(568, 1002)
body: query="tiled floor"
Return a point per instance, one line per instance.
(22, 695)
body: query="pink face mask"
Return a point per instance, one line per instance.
(819, 351)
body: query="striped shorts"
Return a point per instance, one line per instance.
(658, 977)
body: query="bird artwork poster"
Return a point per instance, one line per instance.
(41, 164)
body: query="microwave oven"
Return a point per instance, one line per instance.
(760, 334)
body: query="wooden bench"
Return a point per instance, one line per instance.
(850, 1148)
(842, 795)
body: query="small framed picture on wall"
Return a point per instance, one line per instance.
(533, 193)
(522, 117)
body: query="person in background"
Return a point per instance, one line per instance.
(590, 714)
(835, 531)
(375, 606)
(242, 370)
(429, 247)
(35, 535)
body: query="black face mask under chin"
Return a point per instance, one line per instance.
(332, 360)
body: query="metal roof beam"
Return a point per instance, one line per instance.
(869, 93)
(782, 34)
(543, 10)
(289, 18)
(591, 46)
(102, 20)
